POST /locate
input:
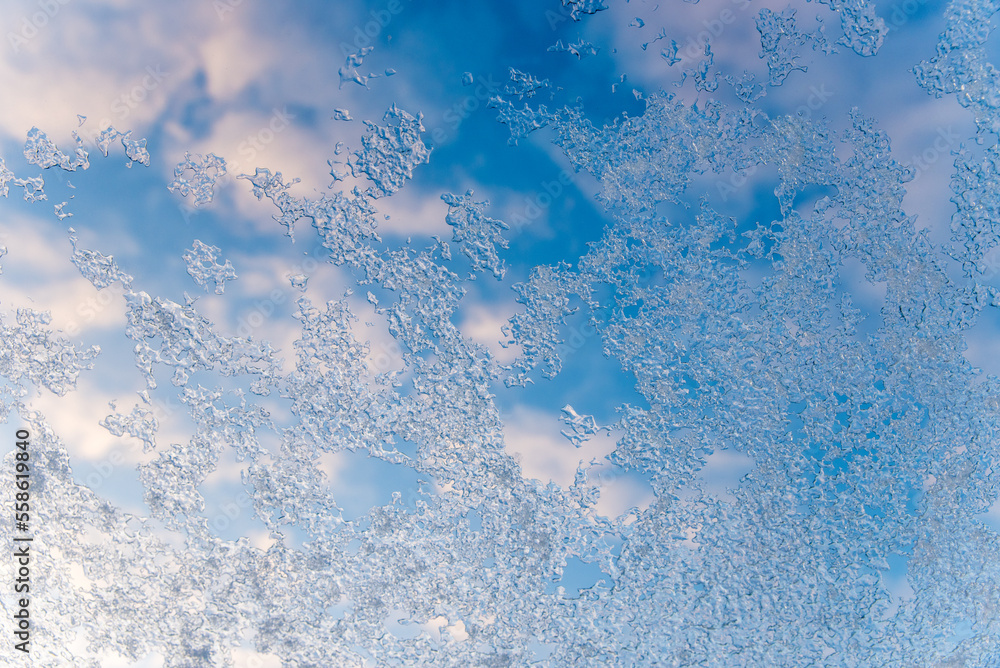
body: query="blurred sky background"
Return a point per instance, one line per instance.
(258, 84)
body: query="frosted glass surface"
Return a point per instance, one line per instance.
(632, 339)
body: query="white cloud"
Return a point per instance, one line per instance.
(534, 438)
(234, 58)
(246, 657)
(482, 323)
(39, 274)
(413, 212)
(723, 470)
(76, 421)
(73, 65)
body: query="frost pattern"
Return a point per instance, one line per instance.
(6, 176)
(864, 30)
(870, 442)
(778, 40)
(581, 49)
(34, 188)
(59, 210)
(205, 171)
(42, 151)
(99, 269)
(141, 423)
(580, 427)
(526, 120)
(391, 152)
(135, 149)
(349, 71)
(578, 7)
(32, 357)
(478, 236)
(205, 270)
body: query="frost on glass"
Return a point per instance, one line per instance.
(871, 443)
(864, 30)
(203, 266)
(390, 153)
(581, 49)
(204, 172)
(42, 151)
(579, 427)
(349, 71)
(99, 269)
(779, 38)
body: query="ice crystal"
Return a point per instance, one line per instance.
(779, 39)
(390, 153)
(135, 149)
(99, 269)
(660, 35)
(702, 80)
(32, 355)
(34, 188)
(524, 85)
(205, 270)
(6, 177)
(871, 440)
(60, 213)
(181, 339)
(863, 29)
(349, 71)
(141, 423)
(580, 49)
(205, 171)
(581, 427)
(477, 235)
(521, 122)
(747, 87)
(578, 7)
(42, 151)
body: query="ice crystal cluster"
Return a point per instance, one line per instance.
(873, 440)
(202, 266)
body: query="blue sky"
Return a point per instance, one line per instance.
(258, 84)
